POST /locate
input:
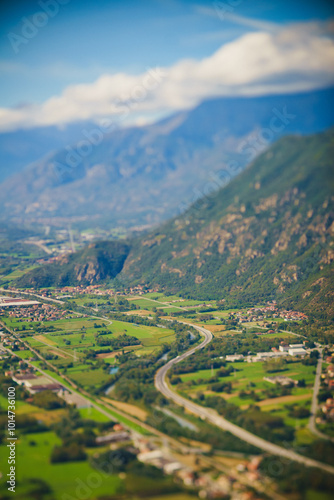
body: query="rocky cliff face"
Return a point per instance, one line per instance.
(98, 262)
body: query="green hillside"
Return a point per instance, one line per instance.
(267, 235)
(96, 262)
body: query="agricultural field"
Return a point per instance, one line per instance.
(66, 347)
(87, 375)
(25, 354)
(17, 273)
(248, 377)
(91, 299)
(159, 301)
(92, 413)
(82, 334)
(33, 454)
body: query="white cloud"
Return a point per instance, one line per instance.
(293, 58)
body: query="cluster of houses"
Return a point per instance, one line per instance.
(38, 312)
(218, 487)
(71, 291)
(327, 380)
(328, 376)
(284, 349)
(327, 410)
(268, 311)
(9, 342)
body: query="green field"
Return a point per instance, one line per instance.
(33, 461)
(25, 354)
(151, 337)
(67, 345)
(252, 373)
(86, 376)
(94, 299)
(21, 407)
(167, 304)
(92, 413)
(146, 304)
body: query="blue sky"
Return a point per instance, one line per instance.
(85, 40)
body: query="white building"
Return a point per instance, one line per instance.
(297, 352)
(234, 357)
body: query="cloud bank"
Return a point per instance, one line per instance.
(293, 58)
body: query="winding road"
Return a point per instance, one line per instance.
(212, 416)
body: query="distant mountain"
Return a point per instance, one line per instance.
(267, 235)
(22, 147)
(144, 175)
(95, 263)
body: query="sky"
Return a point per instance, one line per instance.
(64, 61)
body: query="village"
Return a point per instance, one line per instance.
(32, 311)
(269, 311)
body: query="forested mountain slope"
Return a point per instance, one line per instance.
(98, 261)
(267, 235)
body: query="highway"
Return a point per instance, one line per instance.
(213, 417)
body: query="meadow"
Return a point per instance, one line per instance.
(249, 376)
(82, 335)
(33, 462)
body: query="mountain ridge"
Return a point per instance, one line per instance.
(267, 235)
(145, 175)
(98, 261)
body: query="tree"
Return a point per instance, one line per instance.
(48, 400)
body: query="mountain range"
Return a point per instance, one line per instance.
(144, 175)
(268, 235)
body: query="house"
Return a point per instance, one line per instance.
(118, 427)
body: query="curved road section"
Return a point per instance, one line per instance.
(212, 416)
